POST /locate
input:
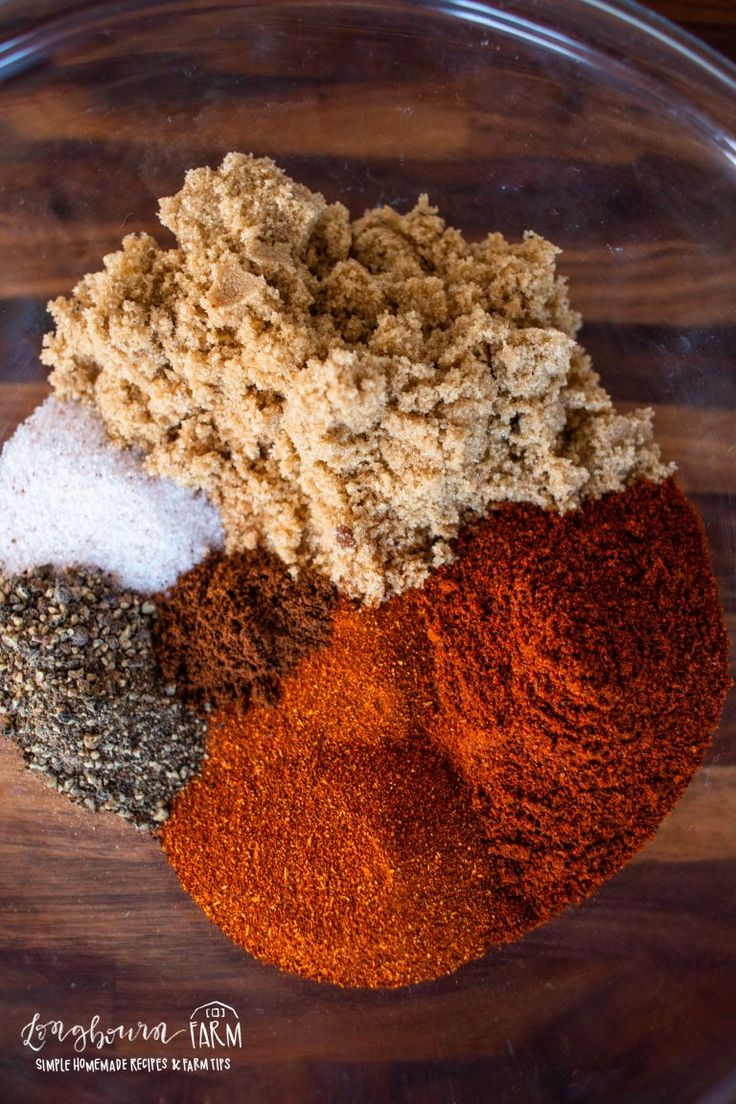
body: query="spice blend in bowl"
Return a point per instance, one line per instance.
(571, 667)
(463, 647)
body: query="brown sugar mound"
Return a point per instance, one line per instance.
(464, 762)
(347, 392)
(233, 626)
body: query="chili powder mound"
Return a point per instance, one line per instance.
(234, 625)
(325, 834)
(359, 865)
(581, 663)
(569, 667)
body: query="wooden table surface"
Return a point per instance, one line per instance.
(626, 1000)
(714, 21)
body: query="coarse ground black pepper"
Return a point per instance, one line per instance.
(81, 695)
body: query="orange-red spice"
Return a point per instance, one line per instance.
(571, 669)
(326, 835)
(581, 665)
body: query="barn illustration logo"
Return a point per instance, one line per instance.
(214, 1025)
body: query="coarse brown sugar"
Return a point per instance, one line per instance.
(347, 392)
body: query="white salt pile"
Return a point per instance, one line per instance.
(69, 497)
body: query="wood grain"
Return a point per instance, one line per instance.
(711, 20)
(437, 130)
(625, 1000)
(17, 401)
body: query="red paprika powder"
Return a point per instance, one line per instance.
(467, 760)
(581, 664)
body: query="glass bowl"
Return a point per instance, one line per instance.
(610, 132)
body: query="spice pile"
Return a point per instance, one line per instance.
(67, 497)
(233, 626)
(463, 648)
(88, 707)
(321, 834)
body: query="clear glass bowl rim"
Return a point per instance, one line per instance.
(646, 33)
